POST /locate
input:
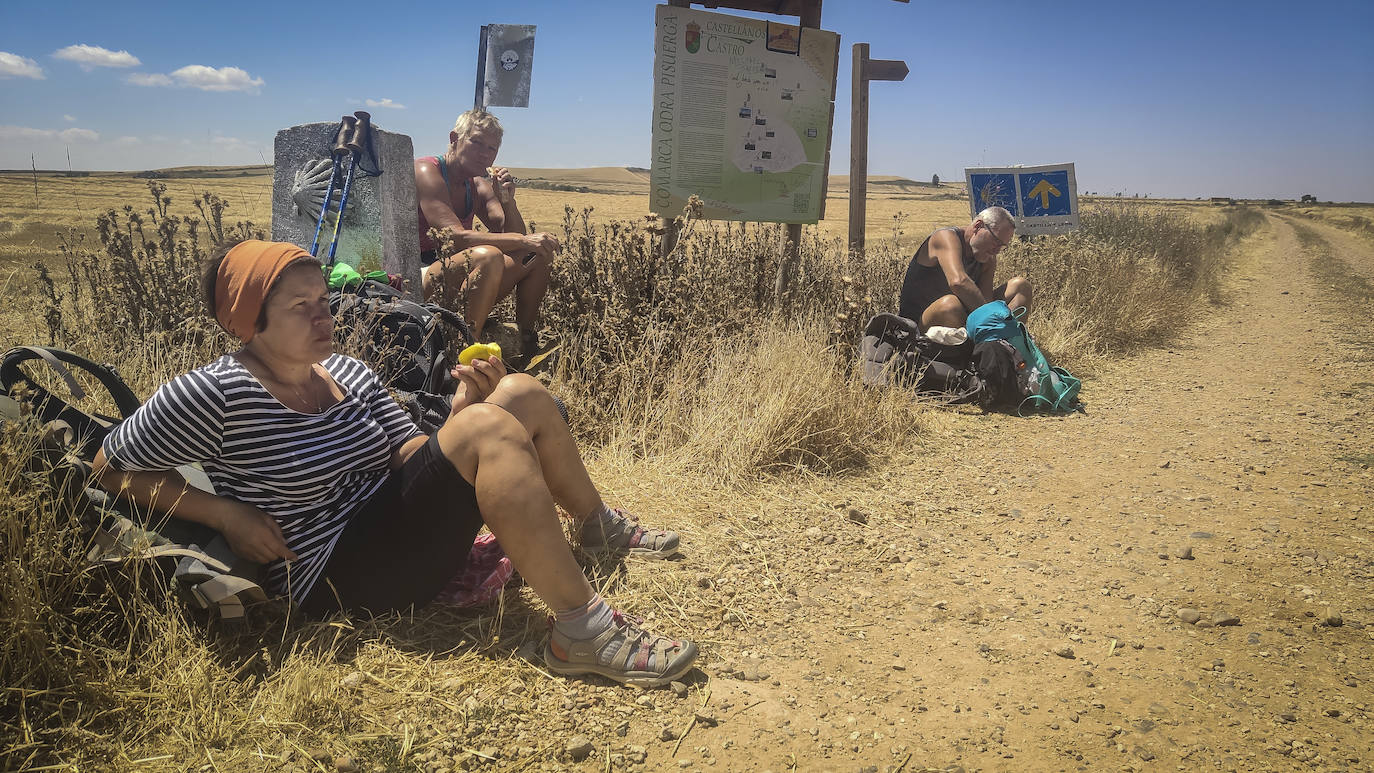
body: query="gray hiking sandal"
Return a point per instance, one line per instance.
(622, 535)
(639, 659)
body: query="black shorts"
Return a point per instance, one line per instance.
(405, 544)
(428, 256)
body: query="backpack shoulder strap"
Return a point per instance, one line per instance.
(10, 374)
(454, 320)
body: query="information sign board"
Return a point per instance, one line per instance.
(742, 115)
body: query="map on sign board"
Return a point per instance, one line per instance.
(742, 112)
(1044, 199)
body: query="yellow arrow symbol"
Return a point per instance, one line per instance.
(1044, 190)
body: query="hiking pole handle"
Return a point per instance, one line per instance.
(357, 138)
(359, 126)
(347, 127)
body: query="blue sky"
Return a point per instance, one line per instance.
(1252, 99)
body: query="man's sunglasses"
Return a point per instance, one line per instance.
(995, 237)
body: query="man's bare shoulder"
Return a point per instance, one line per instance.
(942, 242)
(428, 180)
(946, 238)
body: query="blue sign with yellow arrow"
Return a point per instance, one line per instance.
(1045, 193)
(1043, 199)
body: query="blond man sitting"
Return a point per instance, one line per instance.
(484, 266)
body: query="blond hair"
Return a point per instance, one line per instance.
(474, 121)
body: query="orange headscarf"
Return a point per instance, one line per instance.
(244, 277)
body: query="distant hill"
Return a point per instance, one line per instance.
(174, 172)
(598, 179)
(602, 179)
(886, 183)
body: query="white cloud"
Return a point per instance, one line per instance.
(23, 133)
(94, 56)
(69, 118)
(128, 140)
(216, 79)
(198, 76)
(66, 135)
(16, 66)
(78, 135)
(149, 79)
(385, 103)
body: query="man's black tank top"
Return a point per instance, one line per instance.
(923, 285)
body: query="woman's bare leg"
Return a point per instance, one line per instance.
(493, 452)
(563, 471)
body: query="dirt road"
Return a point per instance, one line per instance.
(1036, 615)
(1180, 579)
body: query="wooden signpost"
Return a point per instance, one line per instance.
(865, 70)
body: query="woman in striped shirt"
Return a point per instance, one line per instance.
(321, 476)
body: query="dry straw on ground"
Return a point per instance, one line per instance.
(704, 401)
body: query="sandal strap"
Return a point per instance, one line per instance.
(639, 648)
(651, 538)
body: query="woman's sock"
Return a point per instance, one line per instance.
(586, 621)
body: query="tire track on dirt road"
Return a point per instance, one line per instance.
(1228, 474)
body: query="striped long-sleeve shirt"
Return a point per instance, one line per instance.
(310, 472)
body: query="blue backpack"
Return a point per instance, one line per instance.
(1047, 388)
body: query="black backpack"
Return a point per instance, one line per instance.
(1006, 378)
(87, 429)
(209, 577)
(894, 352)
(406, 345)
(404, 339)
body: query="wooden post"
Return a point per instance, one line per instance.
(865, 70)
(858, 149)
(809, 15)
(668, 240)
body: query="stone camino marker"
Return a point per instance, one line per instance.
(380, 227)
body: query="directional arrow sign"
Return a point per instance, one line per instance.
(885, 70)
(1043, 199)
(1044, 190)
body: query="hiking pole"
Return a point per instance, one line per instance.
(355, 143)
(345, 127)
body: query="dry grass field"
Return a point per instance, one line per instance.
(37, 213)
(35, 220)
(876, 583)
(1358, 218)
